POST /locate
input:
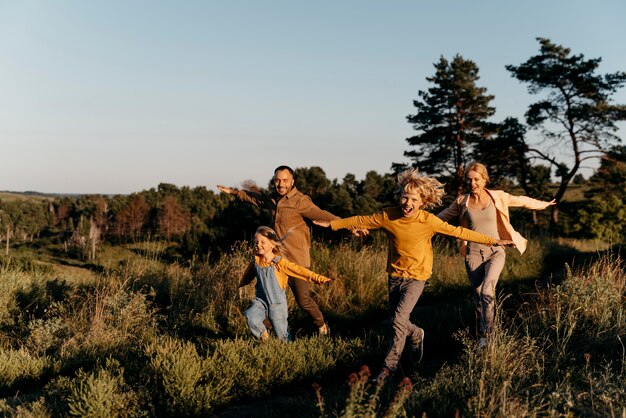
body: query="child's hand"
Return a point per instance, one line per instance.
(360, 232)
(323, 224)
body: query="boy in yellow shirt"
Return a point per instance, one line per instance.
(409, 231)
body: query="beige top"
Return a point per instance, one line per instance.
(483, 221)
(502, 201)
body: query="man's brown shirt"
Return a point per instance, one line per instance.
(289, 214)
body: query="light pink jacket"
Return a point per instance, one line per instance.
(502, 201)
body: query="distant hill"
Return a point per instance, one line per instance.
(34, 196)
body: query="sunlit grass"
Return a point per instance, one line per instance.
(147, 336)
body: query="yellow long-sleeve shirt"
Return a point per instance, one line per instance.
(410, 246)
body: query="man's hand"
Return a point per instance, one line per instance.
(227, 190)
(323, 224)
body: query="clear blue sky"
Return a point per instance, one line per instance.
(119, 96)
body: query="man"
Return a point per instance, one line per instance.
(290, 210)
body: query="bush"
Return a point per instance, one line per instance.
(102, 393)
(20, 367)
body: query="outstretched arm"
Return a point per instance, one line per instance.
(227, 190)
(451, 213)
(323, 224)
(355, 231)
(529, 202)
(244, 195)
(302, 273)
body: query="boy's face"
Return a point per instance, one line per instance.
(410, 202)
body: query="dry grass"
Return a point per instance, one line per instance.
(148, 336)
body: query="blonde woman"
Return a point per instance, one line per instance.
(487, 211)
(409, 230)
(272, 272)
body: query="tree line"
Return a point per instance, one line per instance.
(200, 222)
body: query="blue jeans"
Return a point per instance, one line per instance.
(277, 314)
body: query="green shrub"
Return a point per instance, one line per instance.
(19, 366)
(45, 336)
(196, 383)
(102, 393)
(36, 409)
(184, 377)
(12, 281)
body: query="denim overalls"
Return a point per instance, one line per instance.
(270, 302)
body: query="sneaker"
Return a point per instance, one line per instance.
(483, 343)
(264, 336)
(324, 330)
(417, 346)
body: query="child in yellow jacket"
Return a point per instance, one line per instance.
(272, 272)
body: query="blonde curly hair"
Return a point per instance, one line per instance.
(429, 188)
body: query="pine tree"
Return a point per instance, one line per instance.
(451, 119)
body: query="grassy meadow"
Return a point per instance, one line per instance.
(129, 335)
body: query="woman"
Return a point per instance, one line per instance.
(487, 211)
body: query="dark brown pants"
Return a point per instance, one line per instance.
(301, 291)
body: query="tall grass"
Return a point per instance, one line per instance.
(361, 278)
(147, 337)
(563, 355)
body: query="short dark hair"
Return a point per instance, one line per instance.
(282, 168)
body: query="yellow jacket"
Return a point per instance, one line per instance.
(410, 247)
(502, 201)
(283, 268)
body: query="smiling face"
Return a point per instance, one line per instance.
(476, 181)
(283, 181)
(410, 202)
(263, 246)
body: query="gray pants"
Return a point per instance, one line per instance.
(484, 266)
(403, 295)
